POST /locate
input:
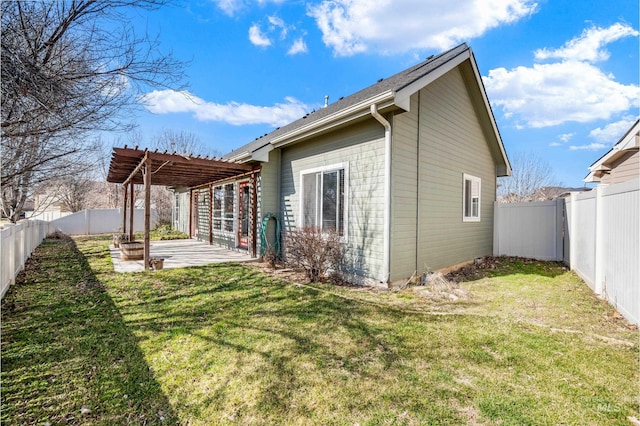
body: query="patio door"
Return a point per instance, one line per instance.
(243, 215)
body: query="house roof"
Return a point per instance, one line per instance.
(629, 142)
(170, 169)
(390, 93)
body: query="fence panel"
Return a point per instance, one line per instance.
(582, 225)
(17, 242)
(98, 221)
(529, 230)
(597, 235)
(619, 278)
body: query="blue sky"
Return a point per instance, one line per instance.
(562, 75)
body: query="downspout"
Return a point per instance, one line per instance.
(387, 193)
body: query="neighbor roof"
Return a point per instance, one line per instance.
(388, 85)
(629, 142)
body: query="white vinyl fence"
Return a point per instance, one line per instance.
(99, 221)
(597, 233)
(17, 242)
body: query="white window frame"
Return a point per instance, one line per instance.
(321, 170)
(472, 179)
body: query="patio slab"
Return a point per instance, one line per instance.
(180, 254)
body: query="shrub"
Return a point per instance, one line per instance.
(319, 253)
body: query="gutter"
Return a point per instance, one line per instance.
(386, 262)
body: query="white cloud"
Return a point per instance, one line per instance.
(235, 113)
(552, 94)
(555, 144)
(257, 38)
(612, 132)
(276, 21)
(573, 89)
(231, 7)
(589, 46)
(354, 26)
(566, 137)
(591, 147)
(298, 46)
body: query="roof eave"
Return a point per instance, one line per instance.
(338, 118)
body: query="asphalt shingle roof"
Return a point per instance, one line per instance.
(394, 84)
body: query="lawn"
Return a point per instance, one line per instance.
(229, 344)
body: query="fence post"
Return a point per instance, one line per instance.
(12, 252)
(559, 255)
(599, 277)
(573, 228)
(87, 225)
(496, 228)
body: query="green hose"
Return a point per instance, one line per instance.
(264, 244)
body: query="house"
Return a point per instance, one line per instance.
(404, 170)
(621, 163)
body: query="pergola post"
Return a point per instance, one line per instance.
(253, 219)
(124, 210)
(131, 209)
(147, 210)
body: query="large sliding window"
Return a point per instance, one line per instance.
(228, 207)
(323, 198)
(223, 197)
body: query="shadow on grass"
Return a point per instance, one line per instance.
(67, 355)
(273, 337)
(232, 345)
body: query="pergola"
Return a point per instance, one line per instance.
(133, 166)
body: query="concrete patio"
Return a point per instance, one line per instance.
(180, 254)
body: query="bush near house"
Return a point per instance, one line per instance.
(320, 254)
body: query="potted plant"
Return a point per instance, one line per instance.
(120, 238)
(156, 263)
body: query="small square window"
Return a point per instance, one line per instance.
(471, 191)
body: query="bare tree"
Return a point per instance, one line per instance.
(530, 174)
(69, 67)
(182, 142)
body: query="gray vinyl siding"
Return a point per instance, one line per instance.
(451, 142)
(404, 175)
(624, 169)
(269, 194)
(361, 145)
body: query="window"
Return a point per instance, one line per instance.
(217, 208)
(228, 207)
(471, 198)
(223, 208)
(323, 199)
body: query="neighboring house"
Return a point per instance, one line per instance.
(548, 193)
(404, 170)
(48, 206)
(621, 163)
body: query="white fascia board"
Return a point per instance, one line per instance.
(632, 141)
(403, 96)
(240, 158)
(340, 117)
(591, 177)
(487, 106)
(262, 154)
